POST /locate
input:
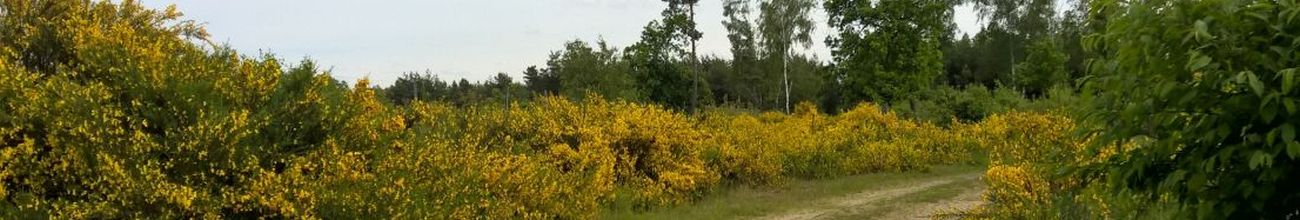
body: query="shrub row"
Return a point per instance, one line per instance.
(110, 110)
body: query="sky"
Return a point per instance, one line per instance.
(453, 39)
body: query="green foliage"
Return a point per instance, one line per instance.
(1205, 91)
(752, 86)
(988, 57)
(975, 102)
(1074, 25)
(886, 50)
(1042, 68)
(542, 81)
(762, 55)
(656, 64)
(1028, 19)
(413, 86)
(959, 61)
(1014, 25)
(582, 69)
(1016, 32)
(503, 89)
(663, 61)
(783, 24)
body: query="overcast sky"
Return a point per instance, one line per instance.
(452, 38)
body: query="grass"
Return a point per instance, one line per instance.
(748, 201)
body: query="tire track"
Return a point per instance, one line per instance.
(829, 207)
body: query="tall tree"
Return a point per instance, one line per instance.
(768, 74)
(740, 29)
(887, 50)
(783, 24)
(746, 71)
(1073, 25)
(1028, 19)
(542, 81)
(1013, 25)
(657, 60)
(689, 32)
(1043, 67)
(959, 61)
(582, 69)
(996, 49)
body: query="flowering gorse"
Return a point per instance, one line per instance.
(110, 110)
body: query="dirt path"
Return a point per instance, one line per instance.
(967, 200)
(849, 204)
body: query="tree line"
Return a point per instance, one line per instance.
(882, 51)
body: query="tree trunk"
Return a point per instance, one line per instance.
(695, 66)
(785, 73)
(912, 105)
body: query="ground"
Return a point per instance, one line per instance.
(911, 195)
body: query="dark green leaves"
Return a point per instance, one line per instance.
(1197, 61)
(1225, 113)
(887, 50)
(1293, 150)
(1288, 79)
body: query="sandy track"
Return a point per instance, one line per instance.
(967, 200)
(833, 206)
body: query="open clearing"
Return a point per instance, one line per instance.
(910, 195)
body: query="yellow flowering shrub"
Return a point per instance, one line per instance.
(734, 151)
(646, 147)
(110, 110)
(1026, 138)
(1012, 190)
(1027, 151)
(762, 149)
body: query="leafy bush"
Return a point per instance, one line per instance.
(1206, 90)
(975, 102)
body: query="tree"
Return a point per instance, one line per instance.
(504, 90)
(413, 86)
(722, 80)
(996, 49)
(1197, 100)
(657, 60)
(1013, 26)
(959, 61)
(783, 24)
(1073, 26)
(542, 81)
(887, 50)
(582, 69)
(1042, 68)
(464, 93)
(746, 69)
(1028, 19)
(763, 45)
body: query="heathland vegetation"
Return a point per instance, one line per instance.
(1113, 109)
